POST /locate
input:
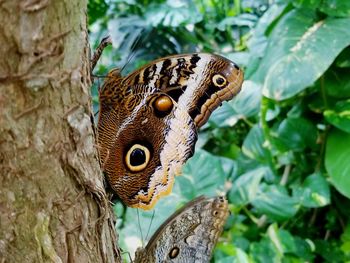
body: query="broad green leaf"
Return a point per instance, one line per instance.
(253, 145)
(337, 160)
(244, 105)
(314, 192)
(240, 58)
(203, 174)
(235, 254)
(241, 257)
(312, 4)
(264, 251)
(343, 60)
(299, 52)
(294, 245)
(226, 248)
(172, 14)
(258, 42)
(245, 187)
(340, 116)
(330, 251)
(287, 244)
(96, 9)
(275, 202)
(272, 233)
(297, 133)
(345, 237)
(125, 30)
(248, 20)
(337, 83)
(338, 8)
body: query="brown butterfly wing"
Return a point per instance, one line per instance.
(189, 235)
(192, 80)
(129, 126)
(169, 139)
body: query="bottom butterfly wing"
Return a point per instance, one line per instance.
(189, 235)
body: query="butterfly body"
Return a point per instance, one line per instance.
(148, 121)
(189, 235)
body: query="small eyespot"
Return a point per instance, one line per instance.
(174, 252)
(215, 213)
(219, 80)
(163, 105)
(137, 157)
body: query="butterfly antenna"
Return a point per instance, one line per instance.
(106, 41)
(132, 49)
(139, 223)
(150, 224)
(134, 45)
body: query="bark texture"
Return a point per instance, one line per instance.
(53, 205)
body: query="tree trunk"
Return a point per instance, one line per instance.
(53, 205)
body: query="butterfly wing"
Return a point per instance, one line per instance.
(141, 147)
(198, 82)
(189, 235)
(143, 142)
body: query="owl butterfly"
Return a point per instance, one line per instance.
(188, 235)
(148, 121)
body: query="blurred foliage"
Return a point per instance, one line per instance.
(280, 150)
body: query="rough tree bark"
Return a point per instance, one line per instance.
(53, 206)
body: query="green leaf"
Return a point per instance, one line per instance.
(172, 14)
(337, 83)
(311, 4)
(338, 8)
(244, 105)
(345, 238)
(337, 160)
(299, 51)
(275, 202)
(253, 145)
(287, 244)
(297, 133)
(245, 187)
(248, 20)
(314, 192)
(340, 115)
(264, 251)
(330, 251)
(97, 10)
(203, 174)
(241, 256)
(343, 60)
(272, 232)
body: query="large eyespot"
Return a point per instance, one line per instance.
(174, 252)
(163, 105)
(219, 80)
(137, 157)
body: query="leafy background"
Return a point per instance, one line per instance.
(279, 151)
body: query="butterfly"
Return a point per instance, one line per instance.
(149, 120)
(189, 235)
